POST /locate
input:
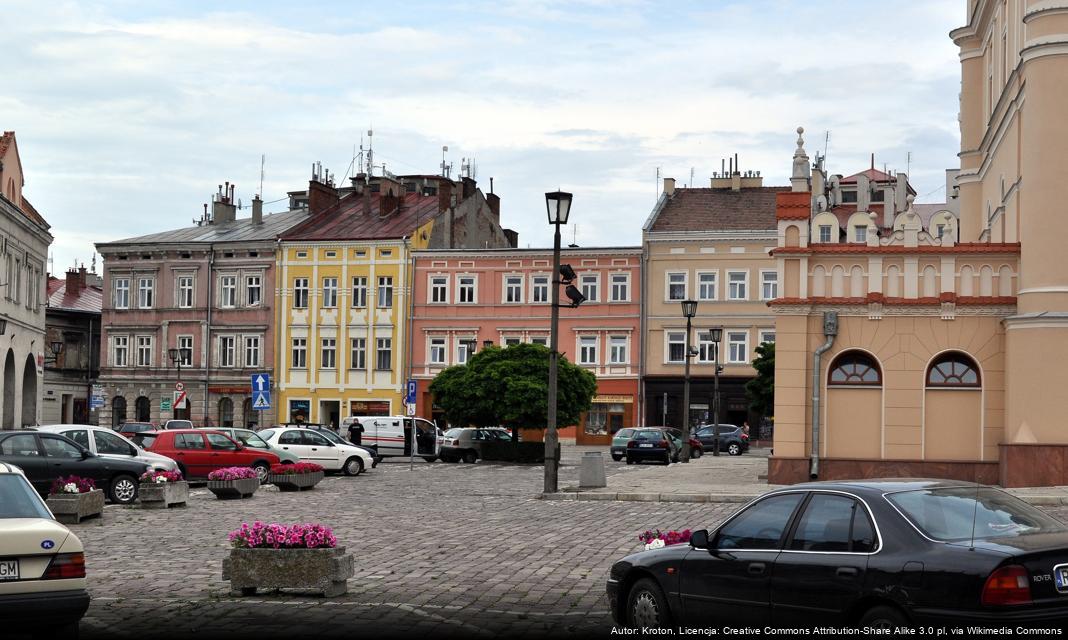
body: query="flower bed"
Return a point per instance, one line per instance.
(163, 489)
(74, 498)
(233, 482)
(298, 476)
(275, 556)
(657, 539)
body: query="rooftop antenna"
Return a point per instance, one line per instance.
(691, 177)
(908, 163)
(370, 153)
(444, 150)
(658, 183)
(94, 263)
(52, 262)
(826, 142)
(263, 161)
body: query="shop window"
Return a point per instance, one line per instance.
(604, 418)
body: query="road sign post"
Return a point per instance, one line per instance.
(261, 393)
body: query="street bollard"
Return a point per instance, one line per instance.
(591, 475)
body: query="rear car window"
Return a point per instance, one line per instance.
(624, 433)
(760, 526)
(649, 434)
(144, 441)
(19, 500)
(267, 434)
(951, 514)
(453, 433)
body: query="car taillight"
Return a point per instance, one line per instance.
(662, 443)
(66, 565)
(631, 444)
(455, 443)
(1007, 585)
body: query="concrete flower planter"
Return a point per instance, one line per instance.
(72, 508)
(234, 489)
(322, 570)
(296, 481)
(162, 495)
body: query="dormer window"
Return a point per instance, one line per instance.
(860, 234)
(877, 195)
(825, 233)
(940, 230)
(849, 196)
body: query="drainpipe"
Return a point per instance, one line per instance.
(830, 330)
(207, 347)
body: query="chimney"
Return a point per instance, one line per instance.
(493, 201)
(223, 209)
(257, 209)
(513, 238)
(444, 194)
(321, 197)
(468, 187)
(388, 200)
(863, 192)
(75, 280)
(669, 187)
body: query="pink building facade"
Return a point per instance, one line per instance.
(502, 297)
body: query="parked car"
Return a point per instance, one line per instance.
(198, 452)
(129, 428)
(47, 456)
(106, 443)
(313, 446)
(653, 443)
(336, 439)
(42, 564)
(879, 553)
(465, 443)
(250, 438)
(392, 435)
(178, 424)
(732, 439)
(619, 443)
(696, 449)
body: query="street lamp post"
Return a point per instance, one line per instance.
(717, 335)
(177, 356)
(689, 309)
(558, 206)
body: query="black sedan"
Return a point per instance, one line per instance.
(732, 439)
(43, 457)
(655, 444)
(866, 553)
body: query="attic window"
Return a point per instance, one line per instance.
(877, 196)
(386, 253)
(849, 196)
(375, 187)
(430, 191)
(361, 254)
(187, 255)
(146, 256)
(302, 254)
(228, 254)
(253, 254)
(124, 257)
(331, 254)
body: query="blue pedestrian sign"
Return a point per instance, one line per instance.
(261, 391)
(409, 398)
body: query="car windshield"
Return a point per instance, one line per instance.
(266, 434)
(250, 439)
(624, 433)
(135, 427)
(19, 500)
(332, 437)
(453, 433)
(179, 424)
(648, 434)
(952, 514)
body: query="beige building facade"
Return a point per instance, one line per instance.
(937, 345)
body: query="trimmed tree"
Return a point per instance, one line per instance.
(509, 387)
(760, 391)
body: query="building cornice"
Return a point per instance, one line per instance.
(968, 248)
(704, 236)
(530, 252)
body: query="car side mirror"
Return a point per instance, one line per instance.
(699, 539)
(86, 454)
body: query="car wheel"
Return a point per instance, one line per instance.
(470, 457)
(734, 449)
(353, 466)
(883, 617)
(668, 459)
(123, 489)
(263, 471)
(617, 457)
(630, 460)
(695, 452)
(647, 606)
(430, 458)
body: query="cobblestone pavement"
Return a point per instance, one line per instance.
(442, 550)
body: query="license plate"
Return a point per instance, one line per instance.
(646, 445)
(1060, 576)
(9, 569)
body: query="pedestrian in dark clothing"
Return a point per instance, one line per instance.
(355, 432)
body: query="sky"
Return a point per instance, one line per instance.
(129, 113)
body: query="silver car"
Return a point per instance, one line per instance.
(109, 444)
(250, 438)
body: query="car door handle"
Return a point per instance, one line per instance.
(757, 568)
(314, 449)
(847, 572)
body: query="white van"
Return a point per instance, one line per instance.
(392, 435)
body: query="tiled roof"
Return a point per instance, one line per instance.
(351, 222)
(833, 248)
(32, 214)
(89, 300)
(240, 230)
(793, 205)
(5, 141)
(874, 175)
(704, 209)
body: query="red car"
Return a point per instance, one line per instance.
(198, 452)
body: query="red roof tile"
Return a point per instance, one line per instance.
(350, 222)
(793, 205)
(704, 209)
(89, 300)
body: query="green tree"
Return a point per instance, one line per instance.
(509, 387)
(761, 390)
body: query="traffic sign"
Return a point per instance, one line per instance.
(165, 404)
(181, 400)
(261, 400)
(411, 409)
(409, 398)
(179, 386)
(261, 382)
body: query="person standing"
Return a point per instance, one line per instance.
(355, 432)
(745, 427)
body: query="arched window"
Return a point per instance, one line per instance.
(953, 369)
(855, 368)
(143, 409)
(118, 411)
(226, 412)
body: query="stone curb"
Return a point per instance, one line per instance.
(736, 498)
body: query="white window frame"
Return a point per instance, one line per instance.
(462, 356)
(384, 292)
(860, 233)
(764, 273)
(299, 347)
(252, 348)
(186, 291)
(438, 288)
(122, 292)
(820, 234)
(227, 291)
(591, 343)
(542, 340)
(461, 288)
(300, 290)
(620, 286)
(702, 285)
(595, 285)
(685, 285)
(144, 351)
(732, 343)
(358, 353)
(227, 352)
(328, 347)
(706, 349)
(512, 288)
(618, 350)
(383, 345)
(543, 288)
(668, 342)
(359, 292)
(437, 350)
(250, 287)
(146, 294)
(508, 341)
(731, 286)
(185, 342)
(764, 333)
(329, 293)
(120, 344)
